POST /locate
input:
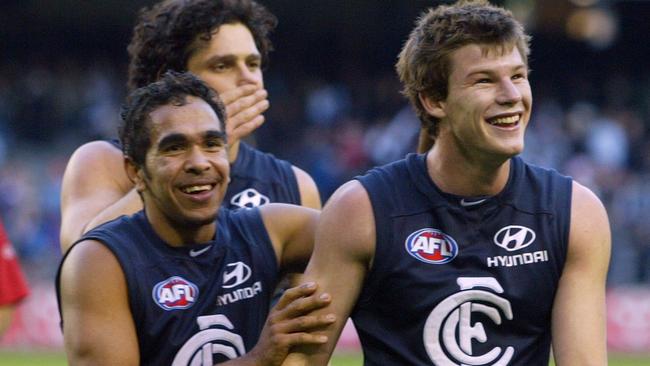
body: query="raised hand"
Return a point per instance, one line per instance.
(244, 108)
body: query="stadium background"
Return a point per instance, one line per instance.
(335, 111)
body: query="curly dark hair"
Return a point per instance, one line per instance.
(166, 34)
(423, 65)
(172, 88)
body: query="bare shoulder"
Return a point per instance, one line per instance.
(89, 266)
(93, 180)
(309, 195)
(90, 271)
(94, 151)
(590, 231)
(100, 157)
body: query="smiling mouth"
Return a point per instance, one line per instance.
(509, 121)
(196, 189)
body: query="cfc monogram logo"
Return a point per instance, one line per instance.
(199, 350)
(449, 331)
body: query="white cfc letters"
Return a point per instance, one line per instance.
(449, 331)
(198, 350)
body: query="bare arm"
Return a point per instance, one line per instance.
(578, 322)
(309, 196)
(95, 190)
(345, 245)
(98, 328)
(291, 229)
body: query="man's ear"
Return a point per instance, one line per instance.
(436, 108)
(135, 174)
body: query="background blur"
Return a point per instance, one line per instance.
(335, 111)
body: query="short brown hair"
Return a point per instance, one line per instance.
(424, 66)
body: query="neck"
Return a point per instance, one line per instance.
(176, 233)
(459, 174)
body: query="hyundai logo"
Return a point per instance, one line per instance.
(514, 237)
(239, 273)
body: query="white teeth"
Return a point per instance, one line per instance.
(505, 120)
(193, 189)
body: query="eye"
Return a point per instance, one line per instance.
(173, 148)
(483, 81)
(214, 144)
(254, 64)
(220, 67)
(518, 76)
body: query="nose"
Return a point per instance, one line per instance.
(508, 92)
(247, 75)
(196, 162)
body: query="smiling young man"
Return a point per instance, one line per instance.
(465, 254)
(184, 281)
(225, 43)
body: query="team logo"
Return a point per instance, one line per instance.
(236, 274)
(249, 198)
(449, 332)
(216, 337)
(514, 237)
(431, 246)
(175, 293)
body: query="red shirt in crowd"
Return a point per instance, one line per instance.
(13, 286)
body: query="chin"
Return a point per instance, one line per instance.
(198, 221)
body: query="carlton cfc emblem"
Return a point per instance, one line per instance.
(175, 293)
(431, 246)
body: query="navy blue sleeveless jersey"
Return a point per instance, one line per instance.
(200, 304)
(257, 178)
(458, 280)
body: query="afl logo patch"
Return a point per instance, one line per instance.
(431, 246)
(175, 293)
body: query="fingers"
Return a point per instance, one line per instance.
(305, 305)
(301, 330)
(243, 125)
(296, 339)
(255, 101)
(306, 323)
(244, 108)
(295, 293)
(232, 95)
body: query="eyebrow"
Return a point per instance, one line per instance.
(489, 72)
(231, 58)
(171, 139)
(215, 134)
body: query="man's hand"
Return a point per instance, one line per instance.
(244, 108)
(289, 324)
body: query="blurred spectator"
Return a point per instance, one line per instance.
(13, 287)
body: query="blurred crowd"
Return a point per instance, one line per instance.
(334, 131)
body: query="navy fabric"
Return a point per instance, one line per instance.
(204, 303)
(258, 178)
(462, 280)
